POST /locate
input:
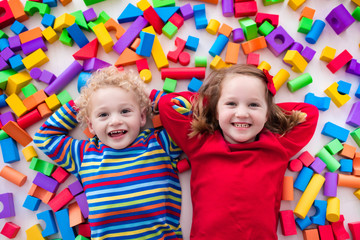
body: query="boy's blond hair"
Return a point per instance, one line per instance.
(111, 77)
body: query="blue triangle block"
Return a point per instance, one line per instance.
(165, 13)
(129, 14)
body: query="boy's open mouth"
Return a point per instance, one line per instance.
(117, 133)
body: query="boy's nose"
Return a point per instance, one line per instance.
(115, 120)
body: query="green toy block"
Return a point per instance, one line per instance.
(200, 61)
(331, 163)
(163, 3)
(66, 39)
(79, 237)
(169, 30)
(334, 146)
(3, 34)
(32, 7)
(3, 134)
(91, 2)
(42, 166)
(80, 20)
(356, 136)
(270, 2)
(265, 28)
(305, 25)
(249, 27)
(4, 75)
(64, 97)
(299, 82)
(29, 90)
(356, 13)
(102, 18)
(169, 85)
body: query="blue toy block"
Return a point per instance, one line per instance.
(303, 223)
(7, 201)
(192, 43)
(4, 43)
(194, 85)
(165, 13)
(332, 130)
(49, 219)
(344, 87)
(82, 79)
(303, 178)
(9, 150)
(146, 44)
(322, 103)
(315, 31)
(16, 62)
(77, 35)
(32, 203)
(17, 27)
(346, 165)
(320, 216)
(3, 103)
(62, 218)
(218, 45)
(48, 20)
(50, 3)
(201, 21)
(357, 93)
(129, 14)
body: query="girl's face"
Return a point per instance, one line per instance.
(242, 108)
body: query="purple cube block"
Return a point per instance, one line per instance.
(7, 201)
(47, 77)
(339, 19)
(353, 118)
(279, 40)
(353, 67)
(14, 43)
(308, 53)
(6, 117)
(46, 182)
(238, 35)
(3, 64)
(75, 188)
(90, 15)
(318, 165)
(187, 11)
(330, 185)
(7, 53)
(83, 204)
(33, 45)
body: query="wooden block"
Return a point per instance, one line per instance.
(17, 133)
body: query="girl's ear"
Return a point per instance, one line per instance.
(90, 127)
(143, 117)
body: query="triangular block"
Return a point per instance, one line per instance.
(129, 14)
(88, 51)
(127, 57)
(165, 13)
(94, 64)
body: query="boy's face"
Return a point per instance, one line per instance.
(115, 116)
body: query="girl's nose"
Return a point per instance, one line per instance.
(241, 112)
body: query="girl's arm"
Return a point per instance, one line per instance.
(52, 138)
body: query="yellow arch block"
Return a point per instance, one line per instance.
(297, 61)
(335, 96)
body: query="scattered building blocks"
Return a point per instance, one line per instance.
(157, 52)
(169, 85)
(225, 29)
(29, 152)
(40, 193)
(127, 57)
(303, 223)
(295, 165)
(75, 216)
(307, 12)
(287, 222)
(35, 59)
(50, 35)
(238, 35)
(344, 87)
(183, 73)
(200, 16)
(17, 133)
(17, 8)
(60, 200)
(213, 26)
(303, 178)
(332, 130)
(8, 17)
(174, 55)
(16, 82)
(356, 136)
(295, 4)
(42, 166)
(348, 181)
(320, 216)
(218, 45)
(311, 234)
(299, 82)
(306, 158)
(146, 44)
(331, 163)
(50, 225)
(10, 152)
(244, 9)
(317, 28)
(187, 11)
(254, 44)
(339, 19)
(288, 189)
(154, 20)
(75, 188)
(10, 230)
(253, 59)
(278, 47)
(60, 175)
(330, 186)
(333, 209)
(326, 232)
(334, 146)
(295, 59)
(29, 35)
(13, 176)
(322, 103)
(62, 218)
(232, 53)
(34, 233)
(328, 54)
(194, 85)
(353, 118)
(266, 28)
(308, 53)
(7, 201)
(46, 182)
(337, 98)
(249, 28)
(339, 61)
(280, 78)
(192, 43)
(348, 151)
(346, 165)
(79, 37)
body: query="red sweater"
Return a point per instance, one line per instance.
(236, 188)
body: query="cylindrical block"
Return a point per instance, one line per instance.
(145, 75)
(227, 8)
(288, 189)
(35, 73)
(200, 61)
(297, 46)
(333, 209)
(303, 178)
(29, 152)
(348, 181)
(299, 82)
(295, 165)
(280, 78)
(13, 176)
(330, 185)
(183, 73)
(309, 195)
(218, 45)
(264, 65)
(331, 163)
(315, 32)
(238, 35)
(213, 26)
(29, 119)
(82, 79)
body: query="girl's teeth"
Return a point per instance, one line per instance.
(243, 125)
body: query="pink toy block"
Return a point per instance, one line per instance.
(306, 158)
(88, 51)
(339, 61)
(355, 230)
(154, 20)
(174, 55)
(339, 230)
(326, 232)
(7, 17)
(60, 174)
(287, 221)
(10, 230)
(7, 201)
(253, 59)
(295, 165)
(60, 200)
(243, 9)
(184, 58)
(273, 19)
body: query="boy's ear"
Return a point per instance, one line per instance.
(143, 117)
(90, 127)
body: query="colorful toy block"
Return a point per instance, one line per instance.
(308, 53)
(34, 100)
(238, 35)
(295, 165)
(327, 54)
(62, 218)
(63, 21)
(84, 230)
(157, 52)
(288, 189)
(331, 163)
(50, 225)
(93, 64)
(320, 216)
(356, 164)
(187, 11)
(16, 62)
(50, 3)
(29, 35)
(75, 188)
(353, 118)
(219, 44)
(16, 82)
(129, 14)
(183, 73)
(317, 28)
(48, 20)
(356, 13)
(32, 7)
(295, 59)
(177, 20)
(332, 130)
(249, 28)
(200, 61)
(60, 200)
(8, 17)
(295, 4)
(29, 152)
(184, 58)
(112, 25)
(334, 146)
(232, 52)
(28, 90)
(303, 178)
(326, 232)
(169, 85)
(201, 21)
(46, 182)
(35, 59)
(33, 45)
(42, 166)
(265, 29)
(346, 165)
(287, 222)
(79, 37)
(88, 51)
(174, 55)
(348, 151)
(40, 193)
(83, 204)
(339, 19)
(7, 201)
(194, 85)
(337, 98)
(303, 223)
(297, 47)
(306, 158)
(355, 230)
(17, 133)
(17, 8)
(104, 37)
(339, 61)
(127, 57)
(333, 209)
(280, 78)
(44, 110)
(213, 26)
(146, 44)
(277, 47)
(88, 3)
(154, 20)
(311, 234)
(50, 35)
(34, 233)
(218, 63)
(17, 27)
(330, 186)
(299, 82)
(227, 8)
(356, 136)
(322, 103)
(10, 152)
(253, 59)
(13, 176)
(307, 12)
(253, 45)
(165, 13)
(6, 117)
(14, 43)
(10, 230)
(60, 175)
(75, 215)
(244, 9)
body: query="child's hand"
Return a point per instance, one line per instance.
(301, 116)
(181, 105)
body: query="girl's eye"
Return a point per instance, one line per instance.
(231, 103)
(103, 115)
(253, 105)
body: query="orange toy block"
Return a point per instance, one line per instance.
(17, 133)
(17, 8)
(40, 193)
(348, 151)
(35, 59)
(65, 2)
(225, 30)
(112, 25)
(311, 234)
(307, 12)
(339, 229)
(34, 100)
(348, 181)
(75, 215)
(50, 35)
(127, 57)
(232, 53)
(16, 104)
(88, 133)
(17, 81)
(29, 152)
(13, 176)
(356, 164)
(60, 200)
(44, 110)
(156, 121)
(288, 189)
(104, 37)
(135, 44)
(254, 44)
(88, 51)
(30, 35)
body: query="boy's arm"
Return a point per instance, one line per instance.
(52, 138)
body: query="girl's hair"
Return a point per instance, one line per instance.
(205, 103)
(111, 77)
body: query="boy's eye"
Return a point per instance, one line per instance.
(124, 111)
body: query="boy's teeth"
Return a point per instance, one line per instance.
(243, 125)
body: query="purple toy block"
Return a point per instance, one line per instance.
(7, 201)
(316, 29)
(3, 64)
(46, 182)
(357, 93)
(308, 53)
(131, 33)
(296, 46)
(227, 8)
(33, 45)
(238, 35)
(318, 165)
(353, 118)
(83, 204)
(353, 67)
(90, 15)
(94, 64)
(330, 185)
(75, 188)
(339, 19)
(35, 73)
(65, 77)
(186, 11)
(47, 77)
(279, 40)
(7, 53)
(7, 117)
(14, 43)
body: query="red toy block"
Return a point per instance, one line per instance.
(154, 20)
(287, 222)
(183, 165)
(174, 55)
(339, 229)
(88, 51)
(60, 200)
(177, 20)
(184, 58)
(339, 61)
(17, 133)
(243, 9)
(7, 17)
(10, 230)
(295, 165)
(142, 64)
(60, 174)
(29, 119)
(253, 59)
(84, 230)
(326, 232)
(273, 19)
(306, 158)
(355, 230)
(183, 73)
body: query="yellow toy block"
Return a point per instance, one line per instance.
(157, 52)
(357, 2)
(34, 233)
(336, 97)
(16, 82)
(280, 78)
(333, 209)
(16, 104)
(145, 75)
(218, 63)
(308, 197)
(63, 21)
(50, 35)
(104, 37)
(295, 4)
(357, 193)
(327, 54)
(35, 59)
(53, 102)
(143, 5)
(297, 61)
(29, 152)
(264, 65)
(213, 26)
